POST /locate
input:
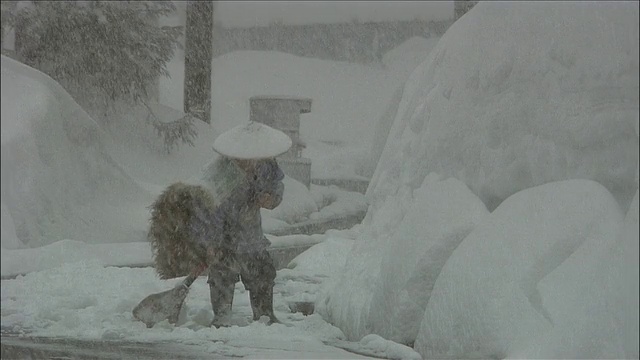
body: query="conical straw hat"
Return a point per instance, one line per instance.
(252, 141)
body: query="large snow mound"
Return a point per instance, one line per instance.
(523, 272)
(58, 181)
(518, 94)
(595, 298)
(411, 53)
(389, 275)
(442, 214)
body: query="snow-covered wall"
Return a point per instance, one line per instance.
(58, 181)
(519, 94)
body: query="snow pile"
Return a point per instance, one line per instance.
(385, 286)
(411, 53)
(513, 96)
(333, 202)
(58, 181)
(516, 95)
(595, 295)
(522, 272)
(442, 214)
(297, 203)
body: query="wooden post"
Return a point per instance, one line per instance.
(197, 58)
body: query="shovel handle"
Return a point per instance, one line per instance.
(194, 275)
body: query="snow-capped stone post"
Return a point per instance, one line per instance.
(283, 113)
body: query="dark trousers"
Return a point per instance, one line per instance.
(256, 270)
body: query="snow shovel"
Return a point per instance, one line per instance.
(167, 304)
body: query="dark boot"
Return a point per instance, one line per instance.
(221, 302)
(262, 304)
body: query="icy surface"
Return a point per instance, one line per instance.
(515, 95)
(523, 272)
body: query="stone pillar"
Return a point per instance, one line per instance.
(283, 113)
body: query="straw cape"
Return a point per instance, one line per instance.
(175, 252)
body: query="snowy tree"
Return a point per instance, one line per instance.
(7, 9)
(103, 52)
(461, 7)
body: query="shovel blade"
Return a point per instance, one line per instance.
(161, 306)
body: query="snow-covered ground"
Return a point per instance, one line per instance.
(82, 299)
(503, 216)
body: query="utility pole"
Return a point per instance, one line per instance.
(198, 56)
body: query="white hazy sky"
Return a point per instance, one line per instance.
(251, 13)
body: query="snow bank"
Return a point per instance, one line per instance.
(595, 298)
(518, 94)
(411, 53)
(513, 96)
(442, 214)
(58, 181)
(526, 270)
(388, 278)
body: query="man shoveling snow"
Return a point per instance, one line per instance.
(216, 224)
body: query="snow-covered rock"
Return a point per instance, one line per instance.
(525, 271)
(58, 181)
(518, 94)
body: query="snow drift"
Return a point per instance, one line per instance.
(523, 272)
(58, 182)
(516, 95)
(513, 96)
(389, 275)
